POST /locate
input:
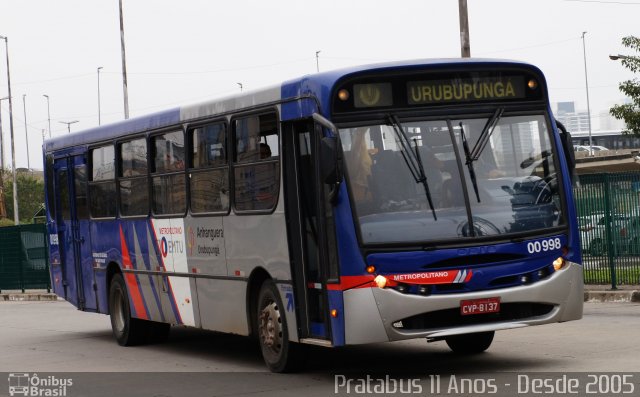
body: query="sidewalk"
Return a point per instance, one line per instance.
(604, 293)
(29, 295)
(592, 293)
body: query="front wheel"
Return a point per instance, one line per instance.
(470, 343)
(278, 352)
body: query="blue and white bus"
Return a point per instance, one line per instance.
(425, 199)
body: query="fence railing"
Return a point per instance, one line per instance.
(24, 262)
(609, 217)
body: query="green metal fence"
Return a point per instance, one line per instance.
(609, 217)
(24, 262)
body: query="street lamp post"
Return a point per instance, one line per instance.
(26, 132)
(68, 123)
(99, 121)
(48, 114)
(586, 81)
(616, 57)
(317, 61)
(16, 215)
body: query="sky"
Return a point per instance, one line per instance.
(181, 52)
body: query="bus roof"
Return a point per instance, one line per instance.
(317, 85)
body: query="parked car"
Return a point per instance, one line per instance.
(585, 148)
(630, 234)
(593, 233)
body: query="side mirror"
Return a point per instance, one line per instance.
(567, 147)
(330, 172)
(330, 157)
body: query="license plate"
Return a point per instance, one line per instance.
(480, 306)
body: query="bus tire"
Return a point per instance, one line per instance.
(279, 353)
(470, 343)
(128, 331)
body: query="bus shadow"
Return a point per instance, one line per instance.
(413, 357)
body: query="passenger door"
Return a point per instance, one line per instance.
(72, 213)
(310, 230)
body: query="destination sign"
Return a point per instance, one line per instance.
(465, 90)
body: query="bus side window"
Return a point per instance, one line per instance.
(132, 181)
(256, 162)
(168, 178)
(209, 169)
(102, 183)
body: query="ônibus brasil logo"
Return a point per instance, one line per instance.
(21, 384)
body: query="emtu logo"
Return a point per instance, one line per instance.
(164, 247)
(18, 384)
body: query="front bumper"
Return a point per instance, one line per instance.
(370, 313)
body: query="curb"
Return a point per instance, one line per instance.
(612, 296)
(18, 297)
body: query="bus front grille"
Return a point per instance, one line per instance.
(452, 317)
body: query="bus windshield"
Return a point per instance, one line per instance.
(506, 164)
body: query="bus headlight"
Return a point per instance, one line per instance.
(381, 281)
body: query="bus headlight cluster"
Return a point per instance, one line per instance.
(381, 281)
(558, 263)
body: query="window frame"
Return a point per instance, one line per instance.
(91, 182)
(190, 169)
(119, 178)
(152, 173)
(234, 164)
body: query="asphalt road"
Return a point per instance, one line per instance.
(54, 339)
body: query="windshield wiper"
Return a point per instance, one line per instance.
(413, 159)
(483, 139)
(469, 162)
(478, 148)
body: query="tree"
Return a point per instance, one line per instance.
(30, 196)
(630, 112)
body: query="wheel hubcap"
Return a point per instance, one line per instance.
(271, 328)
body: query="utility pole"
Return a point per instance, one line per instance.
(16, 213)
(124, 66)
(465, 44)
(3, 208)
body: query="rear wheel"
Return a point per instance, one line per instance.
(278, 352)
(470, 343)
(130, 331)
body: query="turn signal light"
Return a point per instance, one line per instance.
(371, 269)
(558, 263)
(343, 95)
(334, 313)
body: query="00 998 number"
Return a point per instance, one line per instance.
(544, 245)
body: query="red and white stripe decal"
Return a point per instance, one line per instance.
(422, 278)
(132, 283)
(439, 277)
